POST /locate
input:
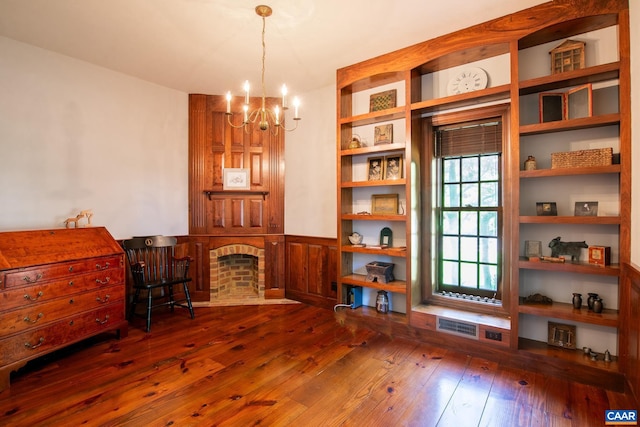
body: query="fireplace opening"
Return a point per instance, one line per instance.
(237, 273)
(238, 276)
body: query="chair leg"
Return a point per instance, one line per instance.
(134, 302)
(188, 297)
(149, 307)
(172, 299)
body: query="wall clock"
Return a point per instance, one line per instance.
(467, 80)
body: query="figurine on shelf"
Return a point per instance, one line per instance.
(566, 248)
(75, 220)
(538, 299)
(356, 239)
(355, 142)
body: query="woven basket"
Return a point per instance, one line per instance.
(582, 158)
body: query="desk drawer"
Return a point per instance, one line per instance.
(43, 273)
(33, 316)
(36, 294)
(33, 342)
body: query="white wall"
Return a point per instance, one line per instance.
(74, 136)
(310, 168)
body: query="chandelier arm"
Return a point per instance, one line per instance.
(231, 124)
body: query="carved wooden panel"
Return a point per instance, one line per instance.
(256, 213)
(237, 213)
(296, 267)
(215, 145)
(274, 266)
(311, 273)
(198, 249)
(316, 268)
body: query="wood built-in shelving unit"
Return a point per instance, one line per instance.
(510, 49)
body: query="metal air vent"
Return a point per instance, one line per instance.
(456, 327)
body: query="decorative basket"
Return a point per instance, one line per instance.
(582, 158)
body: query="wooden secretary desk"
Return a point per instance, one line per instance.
(57, 287)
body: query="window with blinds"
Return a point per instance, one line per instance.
(469, 211)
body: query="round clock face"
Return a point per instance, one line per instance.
(467, 80)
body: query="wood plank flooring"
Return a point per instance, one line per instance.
(280, 365)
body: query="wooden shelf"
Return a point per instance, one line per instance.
(594, 74)
(210, 193)
(397, 252)
(367, 217)
(571, 357)
(566, 311)
(570, 267)
(396, 286)
(379, 183)
(593, 170)
(370, 313)
(592, 220)
(462, 100)
(396, 146)
(571, 124)
(374, 117)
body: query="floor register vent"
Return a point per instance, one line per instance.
(456, 327)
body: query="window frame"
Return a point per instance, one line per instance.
(430, 174)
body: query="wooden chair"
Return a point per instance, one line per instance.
(156, 270)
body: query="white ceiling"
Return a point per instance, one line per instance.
(211, 46)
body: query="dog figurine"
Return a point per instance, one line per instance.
(566, 248)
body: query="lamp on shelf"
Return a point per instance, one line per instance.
(266, 118)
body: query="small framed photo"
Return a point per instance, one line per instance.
(235, 179)
(393, 166)
(579, 102)
(384, 204)
(562, 335)
(586, 209)
(532, 248)
(546, 209)
(376, 169)
(383, 134)
(382, 100)
(552, 107)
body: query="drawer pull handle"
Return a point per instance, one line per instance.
(100, 267)
(105, 300)
(103, 282)
(70, 282)
(30, 298)
(28, 320)
(70, 268)
(30, 280)
(34, 346)
(102, 322)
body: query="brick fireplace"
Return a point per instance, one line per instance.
(237, 273)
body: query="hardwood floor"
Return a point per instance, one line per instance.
(286, 365)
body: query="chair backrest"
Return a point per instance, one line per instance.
(154, 258)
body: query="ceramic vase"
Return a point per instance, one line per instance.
(577, 300)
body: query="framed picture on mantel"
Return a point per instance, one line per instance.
(235, 179)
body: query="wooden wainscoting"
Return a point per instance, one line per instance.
(630, 325)
(311, 274)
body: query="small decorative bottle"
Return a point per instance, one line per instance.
(382, 302)
(577, 300)
(530, 164)
(591, 299)
(598, 305)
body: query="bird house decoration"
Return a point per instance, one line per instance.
(567, 56)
